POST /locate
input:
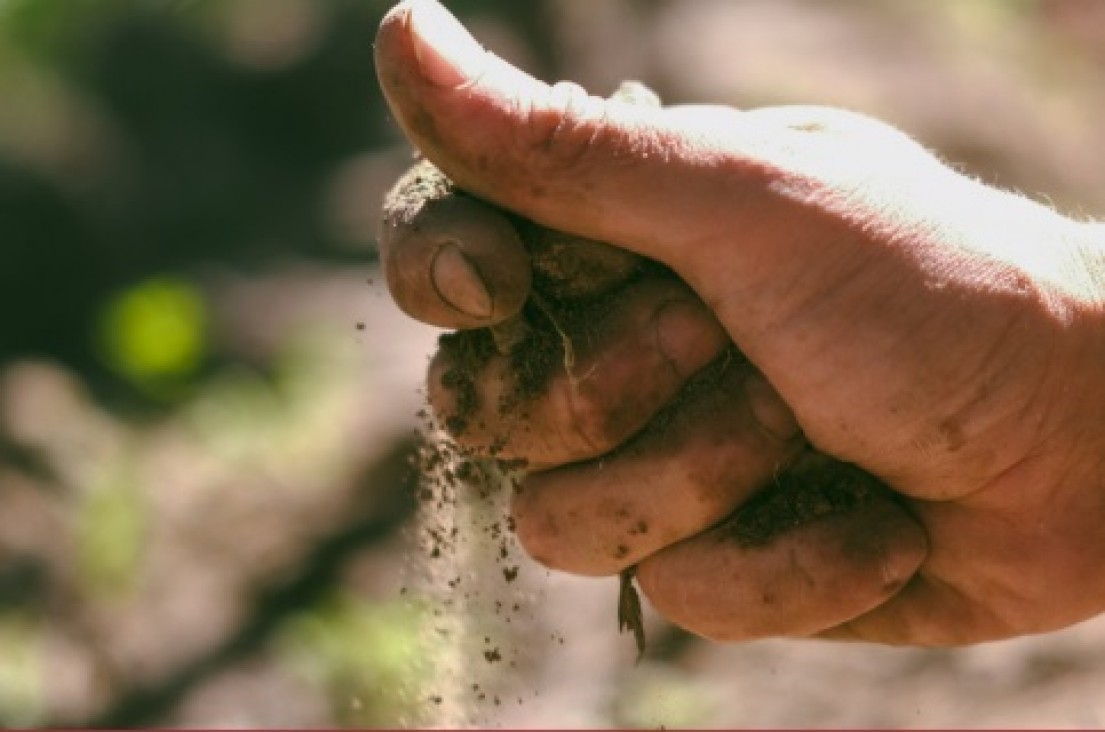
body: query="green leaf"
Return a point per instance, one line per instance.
(155, 333)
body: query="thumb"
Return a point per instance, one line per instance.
(629, 175)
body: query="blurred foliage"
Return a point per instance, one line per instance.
(197, 541)
(365, 654)
(159, 138)
(145, 148)
(663, 698)
(111, 529)
(154, 333)
(21, 672)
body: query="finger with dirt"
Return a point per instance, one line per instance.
(694, 465)
(825, 546)
(632, 354)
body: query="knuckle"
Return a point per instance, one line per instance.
(596, 426)
(561, 130)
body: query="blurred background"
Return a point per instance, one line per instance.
(208, 402)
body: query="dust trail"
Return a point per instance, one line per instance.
(463, 579)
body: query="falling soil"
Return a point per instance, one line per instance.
(462, 531)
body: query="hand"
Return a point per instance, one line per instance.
(943, 335)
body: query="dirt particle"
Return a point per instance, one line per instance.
(456, 425)
(467, 471)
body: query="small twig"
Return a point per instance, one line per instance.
(629, 610)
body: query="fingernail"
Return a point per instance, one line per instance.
(459, 283)
(688, 336)
(768, 408)
(447, 53)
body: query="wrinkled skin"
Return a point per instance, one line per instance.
(945, 336)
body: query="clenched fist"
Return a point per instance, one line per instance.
(945, 336)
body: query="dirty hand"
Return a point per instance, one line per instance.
(945, 336)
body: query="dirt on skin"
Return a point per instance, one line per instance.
(811, 487)
(571, 279)
(536, 354)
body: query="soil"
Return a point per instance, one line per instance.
(570, 268)
(535, 354)
(422, 183)
(811, 487)
(536, 344)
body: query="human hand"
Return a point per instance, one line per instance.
(943, 335)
